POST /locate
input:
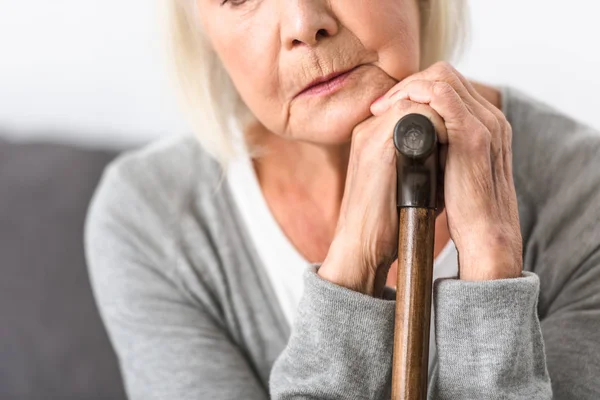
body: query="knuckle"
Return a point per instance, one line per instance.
(358, 135)
(441, 88)
(481, 140)
(360, 128)
(509, 132)
(444, 68)
(403, 104)
(508, 138)
(497, 125)
(492, 122)
(363, 142)
(388, 153)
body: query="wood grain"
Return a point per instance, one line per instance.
(413, 303)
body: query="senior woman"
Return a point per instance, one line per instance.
(278, 283)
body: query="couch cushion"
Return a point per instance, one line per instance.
(52, 342)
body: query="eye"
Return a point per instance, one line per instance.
(233, 3)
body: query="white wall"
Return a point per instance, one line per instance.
(549, 48)
(94, 71)
(87, 71)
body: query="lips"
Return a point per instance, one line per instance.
(324, 80)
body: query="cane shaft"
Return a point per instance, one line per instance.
(413, 303)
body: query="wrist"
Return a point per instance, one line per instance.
(344, 268)
(348, 279)
(493, 254)
(354, 269)
(489, 266)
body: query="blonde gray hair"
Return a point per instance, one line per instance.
(210, 99)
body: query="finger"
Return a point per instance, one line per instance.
(403, 107)
(489, 115)
(441, 97)
(423, 91)
(496, 122)
(350, 175)
(416, 86)
(440, 71)
(443, 156)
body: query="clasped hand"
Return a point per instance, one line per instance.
(478, 191)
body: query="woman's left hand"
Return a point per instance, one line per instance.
(476, 157)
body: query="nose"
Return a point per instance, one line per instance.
(306, 22)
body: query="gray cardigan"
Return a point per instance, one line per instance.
(191, 315)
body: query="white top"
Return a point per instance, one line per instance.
(283, 263)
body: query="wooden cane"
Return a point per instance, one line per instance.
(417, 163)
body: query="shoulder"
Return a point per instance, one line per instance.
(141, 196)
(169, 167)
(556, 168)
(556, 162)
(548, 143)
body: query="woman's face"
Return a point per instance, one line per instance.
(274, 49)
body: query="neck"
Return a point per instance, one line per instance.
(293, 168)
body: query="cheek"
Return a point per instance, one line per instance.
(249, 55)
(253, 73)
(394, 35)
(389, 38)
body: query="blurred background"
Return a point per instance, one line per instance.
(96, 71)
(81, 81)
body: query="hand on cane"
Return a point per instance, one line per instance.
(478, 189)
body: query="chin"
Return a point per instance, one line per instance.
(330, 119)
(330, 123)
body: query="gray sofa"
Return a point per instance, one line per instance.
(52, 342)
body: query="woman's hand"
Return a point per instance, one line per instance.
(478, 189)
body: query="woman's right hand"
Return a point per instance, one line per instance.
(365, 243)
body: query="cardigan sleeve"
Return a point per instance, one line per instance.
(340, 347)
(167, 346)
(557, 172)
(532, 337)
(488, 336)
